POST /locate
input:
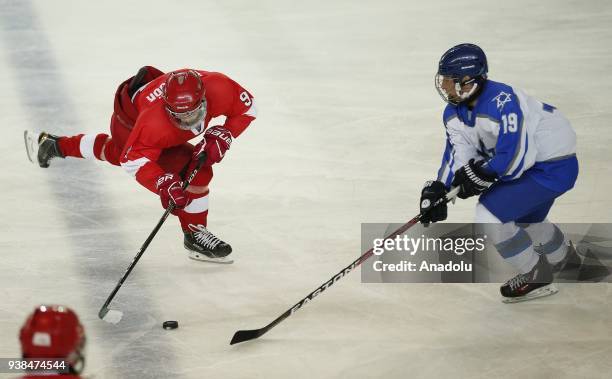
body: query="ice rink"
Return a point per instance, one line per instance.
(349, 128)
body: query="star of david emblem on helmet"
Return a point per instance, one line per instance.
(502, 99)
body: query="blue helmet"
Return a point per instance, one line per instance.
(463, 64)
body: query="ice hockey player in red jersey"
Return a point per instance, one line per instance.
(54, 337)
(155, 115)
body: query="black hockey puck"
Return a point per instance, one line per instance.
(168, 325)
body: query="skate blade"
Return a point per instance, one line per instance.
(203, 258)
(535, 294)
(31, 145)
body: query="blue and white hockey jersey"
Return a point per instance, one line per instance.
(514, 133)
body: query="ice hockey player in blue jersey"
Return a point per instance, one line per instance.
(518, 154)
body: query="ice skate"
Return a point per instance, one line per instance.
(202, 245)
(532, 285)
(592, 268)
(569, 267)
(41, 148)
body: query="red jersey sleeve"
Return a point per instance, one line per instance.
(140, 155)
(228, 98)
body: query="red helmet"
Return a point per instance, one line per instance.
(53, 331)
(184, 97)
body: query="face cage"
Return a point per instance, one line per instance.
(190, 119)
(463, 96)
(77, 358)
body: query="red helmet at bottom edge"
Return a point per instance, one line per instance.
(54, 331)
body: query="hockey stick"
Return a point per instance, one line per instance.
(246, 335)
(114, 316)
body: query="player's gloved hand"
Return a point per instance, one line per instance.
(473, 179)
(217, 140)
(169, 188)
(433, 191)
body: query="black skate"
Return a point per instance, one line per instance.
(569, 267)
(205, 246)
(43, 147)
(532, 285)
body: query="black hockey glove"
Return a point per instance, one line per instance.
(472, 179)
(433, 191)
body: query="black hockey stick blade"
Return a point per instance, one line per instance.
(103, 311)
(247, 335)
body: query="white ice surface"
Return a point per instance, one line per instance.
(349, 128)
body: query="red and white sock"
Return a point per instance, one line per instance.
(83, 145)
(196, 212)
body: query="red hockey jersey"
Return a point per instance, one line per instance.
(154, 131)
